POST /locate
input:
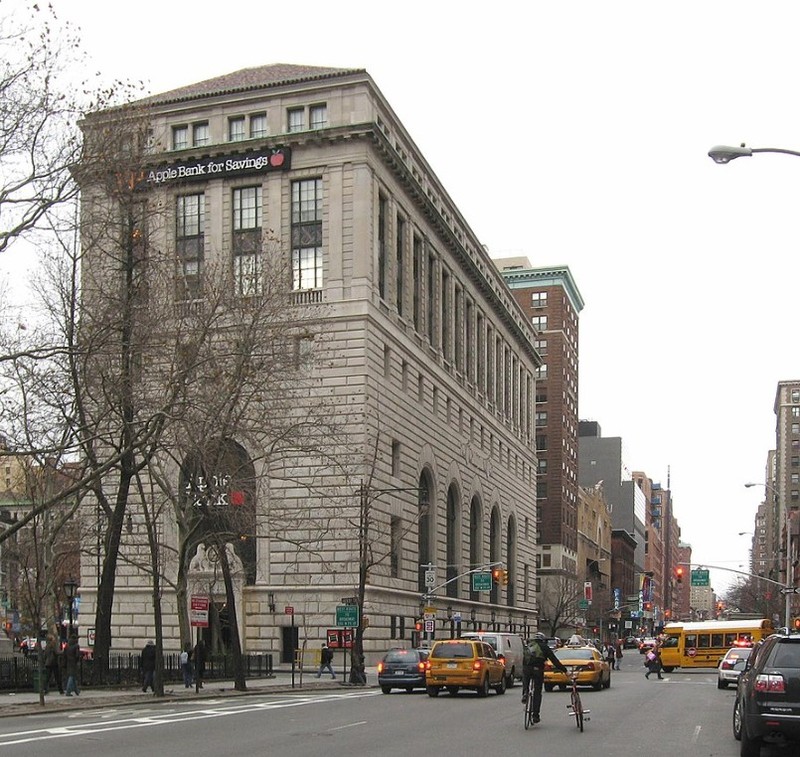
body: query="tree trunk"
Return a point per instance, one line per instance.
(239, 682)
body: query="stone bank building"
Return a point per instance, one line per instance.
(421, 352)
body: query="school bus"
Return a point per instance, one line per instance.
(703, 644)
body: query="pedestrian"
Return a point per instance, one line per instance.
(199, 656)
(617, 654)
(72, 656)
(536, 653)
(186, 664)
(147, 662)
(325, 660)
(653, 662)
(610, 654)
(52, 663)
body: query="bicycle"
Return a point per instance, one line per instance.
(527, 711)
(575, 705)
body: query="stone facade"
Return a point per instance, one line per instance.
(422, 358)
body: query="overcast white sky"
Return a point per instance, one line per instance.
(577, 134)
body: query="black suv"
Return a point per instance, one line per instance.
(768, 695)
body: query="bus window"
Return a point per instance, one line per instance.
(691, 640)
(730, 639)
(671, 642)
(702, 641)
(716, 639)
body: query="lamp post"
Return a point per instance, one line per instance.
(725, 153)
(788, 570)
(70, 585)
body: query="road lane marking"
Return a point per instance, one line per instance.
(349, 725)
(696, 734)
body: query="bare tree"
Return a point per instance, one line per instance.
(558, 608)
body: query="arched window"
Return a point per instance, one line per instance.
(494, 550)
(452, 518)
(475, 541)
(511, 559)
(424, 505)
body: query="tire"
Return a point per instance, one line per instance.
(549, 686)
(510, 680)
(722, 684)
(668, 668)
(599, 685)
(483, 689)
(501, 687)
(737, 720)
(577, 709)
(607, 684)
(433, 691)
(528, 711)
(452, 690)
(409, 689)
(386, 689)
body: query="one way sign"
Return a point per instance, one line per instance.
(791, 590)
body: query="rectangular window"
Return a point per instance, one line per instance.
(318, 116)
(795, 395)
(432, 300)
(295, 119)
(416, 263)
(258, 125)
(444, 313)
(539, 322)
(180, 137)
(247, 241)
(189, 230)
(395, 458)
(458, 327)
(307, 234)
(541, 418)
(236, 129)
(399, 252)
(200, 134)
(396, 527)
(541, 346)
(382, 204)
(538, 299)
(541, 373)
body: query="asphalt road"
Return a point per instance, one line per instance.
(685, 715)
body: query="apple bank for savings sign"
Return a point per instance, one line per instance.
(226, 166)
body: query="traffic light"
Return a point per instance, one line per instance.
(679, 574)
(796, 624)
(418, 625)
(500, 576)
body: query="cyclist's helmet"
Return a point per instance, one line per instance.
(539, 636)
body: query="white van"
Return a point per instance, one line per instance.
(506, 645)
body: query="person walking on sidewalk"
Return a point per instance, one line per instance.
(186, 665)
(148, 664)
(72, 656)
(325, 660)
(199, 655)
(52, 664)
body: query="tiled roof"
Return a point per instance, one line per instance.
(250, 78)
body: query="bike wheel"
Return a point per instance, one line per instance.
(528, 711)
(577, 709)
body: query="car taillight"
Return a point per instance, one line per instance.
(421, 666)
(726, 665)
(503, 660)
(477, 665)
(427, 664)
(380, 667)
(770, 684)
(589, 666)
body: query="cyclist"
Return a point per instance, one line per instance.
(537, 651)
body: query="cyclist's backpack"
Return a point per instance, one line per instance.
(533, 653)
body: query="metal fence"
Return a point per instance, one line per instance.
(18, 672)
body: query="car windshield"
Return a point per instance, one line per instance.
(452, 650)
(574, 654)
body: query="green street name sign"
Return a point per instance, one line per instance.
(482, 581)
(347, 616)
(700, 578)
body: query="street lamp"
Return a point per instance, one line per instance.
(788, 606)
(725, 153)
(70, 586)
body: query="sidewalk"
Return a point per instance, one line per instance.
(27, 702)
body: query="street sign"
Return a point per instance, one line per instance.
(430, 578)
(791, 590)
(430, 626)
(347, 616)
(288, 610)
(482, 581)
(700, 578)
(198, 613)
(349, 600)
(583, 604)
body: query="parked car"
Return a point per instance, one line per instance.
(456, 664)
(402, 669)
(731, 666)
(593, 669)
(631, 642)
(509, 649)
(767, 705)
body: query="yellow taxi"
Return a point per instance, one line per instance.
(456, 664)
(592, 668)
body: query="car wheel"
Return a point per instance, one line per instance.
(599, 684)
(749, 747)
(452, 690)
(722, 684)
(668, 668)
(737, 720)
(409, 689)
(386, 689)
(510, 679)
(433, 691)
(483, 689)
(548, 687)
(501, 687)
(607, 684)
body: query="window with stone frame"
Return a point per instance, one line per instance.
(189, 243)
(246, 241)
(306, 233)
